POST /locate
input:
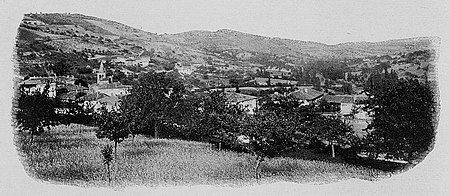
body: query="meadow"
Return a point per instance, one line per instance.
(72, 155)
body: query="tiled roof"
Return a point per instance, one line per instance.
(72, 87)
(307, 94)
(238, 97)
(40, 80)
(71, 95)
(93, 96)
(110, 100)
(112, 86)
(34, 81)
(361, 97)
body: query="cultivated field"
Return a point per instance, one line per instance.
(71, 155)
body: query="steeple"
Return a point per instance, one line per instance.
(101, 74)
(102, 68)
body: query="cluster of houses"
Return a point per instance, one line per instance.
(343, 105)
(276, 72)
(346, 107)
(104, 92)
(107, 93)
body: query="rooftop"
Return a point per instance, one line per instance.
(110, 100)
(93, 96)
(238, 97)
(114, 85)
(307, 94)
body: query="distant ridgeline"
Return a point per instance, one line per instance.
(97, 51)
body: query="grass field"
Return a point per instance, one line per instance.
(71, 155)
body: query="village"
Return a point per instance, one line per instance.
(106, 91)
(243, 83)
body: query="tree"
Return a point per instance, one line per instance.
(35, 111)
(153, 102)
(331, 129)
(304, 123)
(81, 82)
(403, 117)
(325, 106)
(347, 88)
(75, 111)
(279, 104)
(214, 119)
(107, 158)
(275, 128)
(316, 83)
(327, 83)
(270, 134)
(111, 125)
(235, 82)
(61, 68)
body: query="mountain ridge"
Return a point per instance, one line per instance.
(89, 32)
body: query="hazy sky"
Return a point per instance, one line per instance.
(329, 22)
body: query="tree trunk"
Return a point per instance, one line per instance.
(109, 174)
(258, 164)
(156, 131)
(115, 159)
(115, 150)
(332, 149)
(32, 137)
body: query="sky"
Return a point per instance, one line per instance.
(329, 22)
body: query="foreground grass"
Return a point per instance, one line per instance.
(71, 155)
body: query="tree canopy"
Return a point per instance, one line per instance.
(153, 102)
(403, 117)
(35, 111)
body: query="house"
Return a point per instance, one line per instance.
(38, 84)
(110, 102)
(126, 72)
(307, 94)
(279, 72)
(273, 81)
(247, 101)
(96, 100)
(186, 70)
(71, 91)
(91, 100)
(343, 102)
(112, 89)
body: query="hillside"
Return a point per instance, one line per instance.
(74, 44)
(70, 32)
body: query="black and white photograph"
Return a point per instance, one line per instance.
(255, 97)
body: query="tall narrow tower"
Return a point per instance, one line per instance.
(101, 74)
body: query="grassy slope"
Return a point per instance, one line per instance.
(228, 39)
(71, 155)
